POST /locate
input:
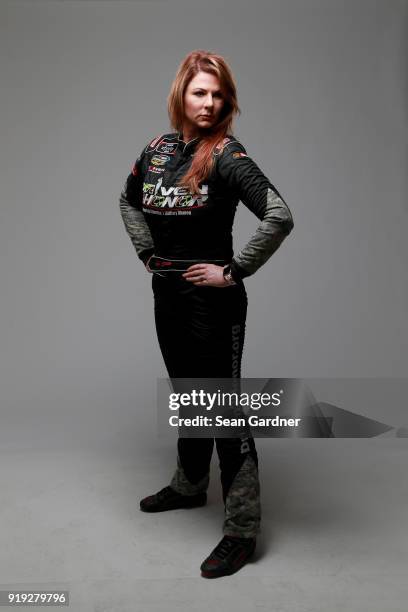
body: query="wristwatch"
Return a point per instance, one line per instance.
(228, 276)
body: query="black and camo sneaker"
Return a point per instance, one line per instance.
(169, 499)
(228, 557)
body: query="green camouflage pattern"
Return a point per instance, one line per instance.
(182, 485)
(276, 224)
(135, 225)
(242, 505)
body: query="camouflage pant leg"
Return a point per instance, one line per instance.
(240, 484)
(192, 475)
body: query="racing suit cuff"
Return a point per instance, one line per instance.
(237, 272)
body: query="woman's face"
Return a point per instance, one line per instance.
(203, 102)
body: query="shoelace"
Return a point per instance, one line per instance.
(165, 493)
(224, 548)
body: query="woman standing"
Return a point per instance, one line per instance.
(178, 206)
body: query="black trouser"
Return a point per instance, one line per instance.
(201, 334)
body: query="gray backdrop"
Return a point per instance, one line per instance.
(323, 89)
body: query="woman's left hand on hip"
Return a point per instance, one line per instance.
(206, 275)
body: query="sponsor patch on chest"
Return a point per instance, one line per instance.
(159, 197)
(156, 170)
(159, 160)
(166, 147)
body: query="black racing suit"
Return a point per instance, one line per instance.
(201, 329)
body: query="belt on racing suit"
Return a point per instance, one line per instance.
(166, 266)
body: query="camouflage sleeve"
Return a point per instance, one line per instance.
(130, 203)
(248, 182)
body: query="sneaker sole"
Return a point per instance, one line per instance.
(175, 507)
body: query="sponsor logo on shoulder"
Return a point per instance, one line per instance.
(166, 147)
(160, 160)
(239, 154)
(222, 144)
(154, 142)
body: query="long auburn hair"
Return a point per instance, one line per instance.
(195, 62)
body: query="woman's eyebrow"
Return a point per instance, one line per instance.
(202, 89)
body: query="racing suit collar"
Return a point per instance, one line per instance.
(186, 146)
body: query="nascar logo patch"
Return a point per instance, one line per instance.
(159, 160)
